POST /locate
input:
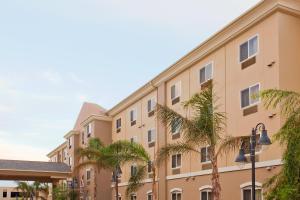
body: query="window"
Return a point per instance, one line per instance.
(4, 194)
(206, 195)
(133, 197)
(149, 196)
(133, 170)
(149, 167)
(15, 194)
(176, 195)
(70, 161)
(249, 49)
(70, 142)
(82, 137)
(206, 73)
(133, 116)
(65, 154)
(175, 93)
(175, 127)
(118, 125)
(176, 161)
(150, 107)
(88, 174)
(205, 153)
(151, 135)
(89, 129)
(133, 139)
(248, 196)
(250, 96)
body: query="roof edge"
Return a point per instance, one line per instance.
(226, 34)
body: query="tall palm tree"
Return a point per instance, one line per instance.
(204, 127)
(40, 188)
(286, 184)
(112, 156)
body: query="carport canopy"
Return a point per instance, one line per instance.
(47, 172)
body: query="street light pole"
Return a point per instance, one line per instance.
(241, 158)
(252, 156)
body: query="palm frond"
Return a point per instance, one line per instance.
(287, 100)
(169, 149)
(230, 143)
(136, 180)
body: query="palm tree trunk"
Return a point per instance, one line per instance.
(154, 192)
(215, 179)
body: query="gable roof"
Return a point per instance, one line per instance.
(87, 110)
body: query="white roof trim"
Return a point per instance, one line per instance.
(205, 187)
(257, 184)
(176, 190)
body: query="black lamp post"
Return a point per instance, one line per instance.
(116, 175)
(263, 140)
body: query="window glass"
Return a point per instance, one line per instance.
(149, 196)
(206, 195)
(253, 45)
(247, 194)
(173, 89)
(202, 75)
(176, 196)
(245, 98)
(151, 135)
(244, 51)
(254, 94)
(175, 128)
(118, 123)
(205, 151)
(208, 71)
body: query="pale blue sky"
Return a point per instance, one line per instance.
(56, 54)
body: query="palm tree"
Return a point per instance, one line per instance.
(25, 188)
(112, 156)
(286, 184)
(204, 127)
(136, 179)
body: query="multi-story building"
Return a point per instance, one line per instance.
(91, 122)
(259, 50)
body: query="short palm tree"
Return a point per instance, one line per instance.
(286, 184)
(25, 188)
(112, 156)
(204, 127)
(136, 179)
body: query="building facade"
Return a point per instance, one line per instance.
(257, 51)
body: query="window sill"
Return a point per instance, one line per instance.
(175, 100)
(151, 144)
(151, 113)
(206, 84)
(250, 110)
(133, 123)
(248, 62)
(175, 136)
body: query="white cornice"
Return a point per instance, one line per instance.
(219, 39)
(95, 117)
(226, 169)
(70, 133)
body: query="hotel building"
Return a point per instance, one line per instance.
(257, 51)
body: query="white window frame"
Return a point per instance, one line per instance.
(133, 195)
(212, 72)
(134, 110)
(119, 127)
(88, 129)
(153, 135)
(176, 191)
(177, 130)
(249, 57)
(134, 165)
(152, 103)
(88, 171)
(208, 161)
(177, 88)
(250, 104)
(247, 186)
(177, 166)
(149, 193)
